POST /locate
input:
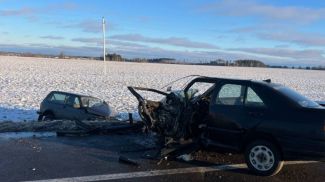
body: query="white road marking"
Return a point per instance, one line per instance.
(163, 172)
(299, 162)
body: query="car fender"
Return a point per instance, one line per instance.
(48, 111)
(259, 135)
(261, 130)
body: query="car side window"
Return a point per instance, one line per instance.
(73, 101)
(58, 98)
(76, 101)
(252, 99)
(231, 94)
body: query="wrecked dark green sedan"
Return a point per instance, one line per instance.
(267, 122)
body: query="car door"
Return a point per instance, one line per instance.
(255, 108)
(226, 114)
(56, 104)
(72, 108)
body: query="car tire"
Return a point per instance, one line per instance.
(48, 117)
(263, 158)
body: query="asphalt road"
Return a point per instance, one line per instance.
(91, 158)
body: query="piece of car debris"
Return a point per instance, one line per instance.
(185, 157)
(127, 160)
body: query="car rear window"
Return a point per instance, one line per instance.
(296, 97)
(252, 99)
(58, 98)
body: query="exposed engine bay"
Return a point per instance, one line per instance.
(179, 117)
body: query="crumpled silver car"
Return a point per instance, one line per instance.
(70, 106)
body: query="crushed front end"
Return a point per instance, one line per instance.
(176, 118)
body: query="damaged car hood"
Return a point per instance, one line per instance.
(166, 117)
(100, 110)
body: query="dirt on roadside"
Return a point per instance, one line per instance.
(57, 125)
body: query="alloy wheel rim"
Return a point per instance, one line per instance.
(262, 158)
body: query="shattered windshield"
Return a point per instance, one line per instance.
(198, 88)
(91, 102)
(179, 83)
(190, 93)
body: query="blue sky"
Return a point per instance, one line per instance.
(283, 32)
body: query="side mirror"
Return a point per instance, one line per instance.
(169, 88)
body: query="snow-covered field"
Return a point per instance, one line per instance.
(24, 82)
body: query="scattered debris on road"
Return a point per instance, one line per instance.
(127, 160)
(72, 127)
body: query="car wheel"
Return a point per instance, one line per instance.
(48, 117)
(263, 158)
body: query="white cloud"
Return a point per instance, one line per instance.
(88, 40)
(308, 54)
(308, 39)
(25, 11)
(32, 13)
(90, 26)
(174, 41)
(267, 11)
(277, 55)
(52, 37)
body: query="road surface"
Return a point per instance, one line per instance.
(95, 158)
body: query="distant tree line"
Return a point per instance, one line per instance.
(217, 62)
(240, 63)
(114, 57)
(117, 57)
(256, 63)
(61, 55)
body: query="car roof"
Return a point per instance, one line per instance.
(268, 81)
(75, 94)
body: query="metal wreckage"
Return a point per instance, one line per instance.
(178, 117)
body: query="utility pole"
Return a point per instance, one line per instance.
(104, 42)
